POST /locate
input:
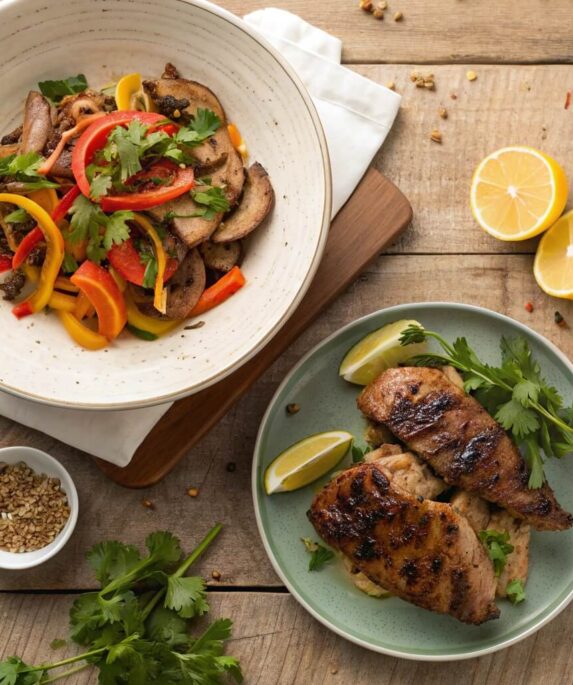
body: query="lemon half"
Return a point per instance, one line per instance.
(553, 266)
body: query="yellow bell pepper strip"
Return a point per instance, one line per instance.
(220, 291)
(83, 306)
(98, 286)
(61, 302)
(83, 335)
(63, 283)
(54, 254)
(146, 323)
(160, 293)
(126, 92)
(46, 167)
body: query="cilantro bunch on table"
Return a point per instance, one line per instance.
(136, 629)
(135, 148)
(515, 393)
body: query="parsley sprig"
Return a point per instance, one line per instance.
(498, 548)
(515, 393)
(89, 223)
(24, 170)
(136, 628)
(133, 148)
(319, 555)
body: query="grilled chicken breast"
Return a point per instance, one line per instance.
(421, 551)
(460, 440)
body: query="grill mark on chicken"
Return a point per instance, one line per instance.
(423, 552)
(461, 441)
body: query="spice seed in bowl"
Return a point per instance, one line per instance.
(33, 508)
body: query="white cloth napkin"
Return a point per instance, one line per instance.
(356, 115)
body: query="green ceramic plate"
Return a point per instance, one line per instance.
(327, 402)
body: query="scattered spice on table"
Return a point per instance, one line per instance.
(231, 467)
(426, 81)
(391, 85)
(292, 408)
(33, 508)
(471, 75)
(453, 96)
(193, 492)
(436, 136)
(443, 112)
(398, 16)
(528, 307)
(366, 5)
(378, 13)
(559, 320)
(568, 100)
(216, 575)
(147, 503)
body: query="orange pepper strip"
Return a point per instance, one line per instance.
(63, 283)
(66, 137)
(220, 291)
(54, 254)
(83, 306)
(83, 335)
(61, 302)
(98, 286)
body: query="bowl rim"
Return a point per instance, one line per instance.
(68, 486)
(400, 310)
(169, 397)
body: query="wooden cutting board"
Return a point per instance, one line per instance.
(372, 218)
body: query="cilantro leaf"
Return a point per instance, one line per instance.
(56, 90)
(515, 591)
(186, 595)
(69, 265)
(13, 672)
(213, 198)
(515, 418)
(167, 626)
(150, 273)
(24, 169)
(164, 547)
(358, 453)
(320, 556)
(116, 228)
(498, 548)
(18, 216)
(205, 123)
(127, 142)
(526, 392)
(100, 185)
(112, 559)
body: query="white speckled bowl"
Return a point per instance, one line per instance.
(107, 38)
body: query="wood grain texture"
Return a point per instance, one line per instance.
(375, 215)
(440, 31)
(505, 106)
(278, 643)
(503, 283)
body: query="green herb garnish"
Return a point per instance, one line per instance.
(358, 453)
(18, 216)
(135, 629)
(24, 170)
(514, 393)
(69, 265)
(498, 548)
(58, 643)
(56, 90)
(320, 556)
(515, 591)
(140, 333)
(150, 274)
(101, 231)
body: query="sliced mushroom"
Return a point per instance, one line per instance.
(256, 203)
(63, 165)
(186, 286)
(230, 176)
(37, 125)
(191, 229)
(220, 256)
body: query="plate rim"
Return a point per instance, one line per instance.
(402, 654)
(227, 370)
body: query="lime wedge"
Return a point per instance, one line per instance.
(377, 352)
(307, 460)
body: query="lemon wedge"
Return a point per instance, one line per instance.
(553, 266)
(307, 460)
(517, 193)
(377, 352)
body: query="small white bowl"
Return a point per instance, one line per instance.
(41, 462)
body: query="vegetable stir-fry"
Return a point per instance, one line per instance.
(125, 212)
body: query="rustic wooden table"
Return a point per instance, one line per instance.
(521, 52)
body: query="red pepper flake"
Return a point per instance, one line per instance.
(568, 100)
(528, 307)
(559, 320)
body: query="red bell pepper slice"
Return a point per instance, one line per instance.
(35, 236)
(102, 291)
(5, 263)
(95, 137)
(126, 261)
(220, 291)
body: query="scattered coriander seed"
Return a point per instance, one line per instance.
(366, 5)
(216, 575)
(471, 75)
(436, 136)
(176, 113)
(334, 670)
(231, 467)
(193, 492)
(423, 81)
(443, 112)
(568, 99)
(378, 14)
(391, 85)
(398, 16)
(382, 5)
(292, 408)
(558, 318)
(147, 503)
(453, 96)
(528, 307)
